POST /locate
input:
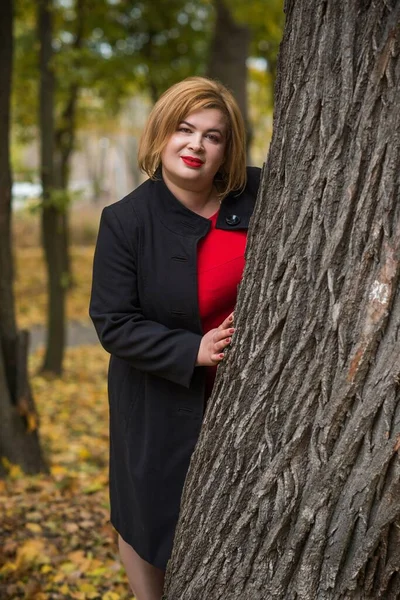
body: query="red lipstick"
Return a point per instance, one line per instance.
(191, 161)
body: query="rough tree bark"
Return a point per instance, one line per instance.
(53, 222)
(294, 488)
(19, 441)
(228, 55)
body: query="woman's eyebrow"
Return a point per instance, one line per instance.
(208, 130)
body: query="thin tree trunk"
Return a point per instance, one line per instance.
(19, 441)
(228, 55)
(52, 216)
(8, 327)
(65, 140)
(149, 54)
(294, 488)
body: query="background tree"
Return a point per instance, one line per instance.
(294, 488)
(53, 215)
(91, 52)
(163, 46)
(228, 55)
(241, 32)
(19, 441)
(265, 19)
(57, 125)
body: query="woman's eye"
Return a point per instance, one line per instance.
(212, 137)
(184, 130)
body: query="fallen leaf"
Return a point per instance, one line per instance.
(110, 596)
(32, 552)
(34, 527)
(66, 511)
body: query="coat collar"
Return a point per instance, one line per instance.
(235, 212)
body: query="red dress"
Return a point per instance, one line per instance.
(220, 264)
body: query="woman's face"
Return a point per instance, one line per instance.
(196, 150)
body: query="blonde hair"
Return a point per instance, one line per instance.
(188, 96)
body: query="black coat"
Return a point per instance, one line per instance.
(145, 309)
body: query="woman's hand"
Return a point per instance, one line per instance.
(214, 342)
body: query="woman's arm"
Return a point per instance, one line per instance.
(117, 316)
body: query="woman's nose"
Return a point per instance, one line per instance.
(196, 143)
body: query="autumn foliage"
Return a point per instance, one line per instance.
(56, 541)
(55, 537)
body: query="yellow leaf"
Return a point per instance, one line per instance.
(84, 453)
(8, 568)
(89, 589)
(58, 470)
(98, 572)
(30, 553)
(46, 569)
(32, 422)
(68, 567)
(64, 589)
(14, 470)
(93, 487)
(34, 527)
(5, 462)
(110, 596)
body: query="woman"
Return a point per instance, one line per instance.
(168, 260)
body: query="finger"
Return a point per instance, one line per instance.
(216, 358)
(227, 322)
(223, 334)
(223, 343)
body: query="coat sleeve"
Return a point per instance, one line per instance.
(117, 316)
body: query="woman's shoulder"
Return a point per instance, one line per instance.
(131, 207)
(137, 197)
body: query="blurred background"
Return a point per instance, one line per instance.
(85, 74)
(107, 63)
(111, 59)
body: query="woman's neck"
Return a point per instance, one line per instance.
(203, 201)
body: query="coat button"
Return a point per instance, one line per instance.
(232, 220)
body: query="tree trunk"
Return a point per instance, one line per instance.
(228, 56)
(65, 141)
(294, 488)
(52, 217)
(19, 441)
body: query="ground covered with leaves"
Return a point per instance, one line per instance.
(31, 286)
(56, 541)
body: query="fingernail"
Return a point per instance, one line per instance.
(221, 356)
(228, 340)
(232, 330)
